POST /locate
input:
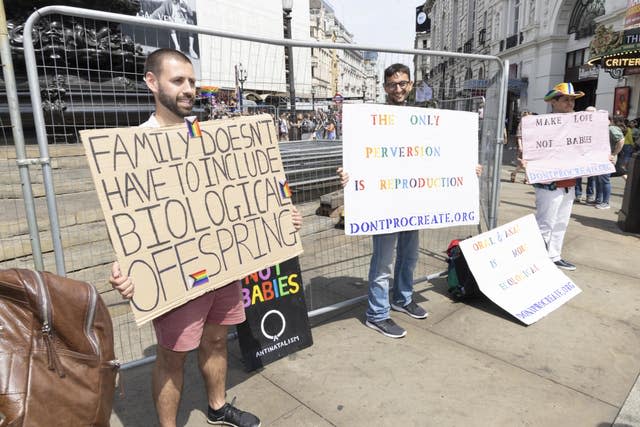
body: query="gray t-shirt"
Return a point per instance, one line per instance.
(615, 135)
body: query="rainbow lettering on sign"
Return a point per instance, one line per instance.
(193, 126)
(199, 278)
(425, 120)
(427, 183)
(412, 151)
(285, 190)
(268, 284)
(519, 277)
(498, 237)
(389, 224)
(383, 119)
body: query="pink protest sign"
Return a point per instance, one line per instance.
(564, 146)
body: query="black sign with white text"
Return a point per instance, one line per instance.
(277, 323)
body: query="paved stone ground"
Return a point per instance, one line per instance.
(466, 365)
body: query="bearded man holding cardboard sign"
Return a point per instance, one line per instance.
(202, 322)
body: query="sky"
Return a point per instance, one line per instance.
(379, 22)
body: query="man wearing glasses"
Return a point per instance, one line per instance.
(397, 85)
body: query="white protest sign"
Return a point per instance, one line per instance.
(409, 168)
(512, 268)
(565, 146)
(188, 214)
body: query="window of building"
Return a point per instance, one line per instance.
(579, 57)
(576, 58)
(516, 17)
(582, 21)
(442, 24)
(454, 25)
(471, 18)
(452, 87)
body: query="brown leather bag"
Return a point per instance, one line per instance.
(57, 364)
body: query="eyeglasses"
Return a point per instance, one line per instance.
(392, 85)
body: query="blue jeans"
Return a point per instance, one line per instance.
(591, 187)
(603, 188)
(380, 272)
(625, 154)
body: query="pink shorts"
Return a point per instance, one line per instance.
(181, 328)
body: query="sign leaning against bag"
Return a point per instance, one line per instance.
(512, 268)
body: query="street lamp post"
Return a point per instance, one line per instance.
(313, 98)
(364, 92)
(242, 77)
(287, 6)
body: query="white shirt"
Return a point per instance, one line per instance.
(151, 123)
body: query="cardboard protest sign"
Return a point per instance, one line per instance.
(511, 266)
(565, 146)
(277, 323)
(409, 168)
(187, 214)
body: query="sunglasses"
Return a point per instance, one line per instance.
(392, 85)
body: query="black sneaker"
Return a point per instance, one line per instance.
(229, 415)
(412, 309)
(387, 327)
(565, 265)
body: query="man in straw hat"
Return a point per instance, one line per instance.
(554, 200)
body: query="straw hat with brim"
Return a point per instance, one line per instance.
(563, 89)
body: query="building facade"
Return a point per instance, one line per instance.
(545, 42)
(264, 19)
(422, 64)
(350, 73)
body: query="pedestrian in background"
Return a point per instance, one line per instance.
(330, 129)
(320, 125)
(628, 147)
(295, 127)
(591, 181)
(307, 126)
(283, 128)
(603, 182)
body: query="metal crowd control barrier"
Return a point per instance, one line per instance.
(95, 80)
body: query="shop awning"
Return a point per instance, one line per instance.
(475, 84)
(515, 85)
(629, 58)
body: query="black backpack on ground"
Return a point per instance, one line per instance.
(462, 284)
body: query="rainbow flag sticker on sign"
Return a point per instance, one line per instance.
(193, 126)
(199, 278)
(285, 190)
